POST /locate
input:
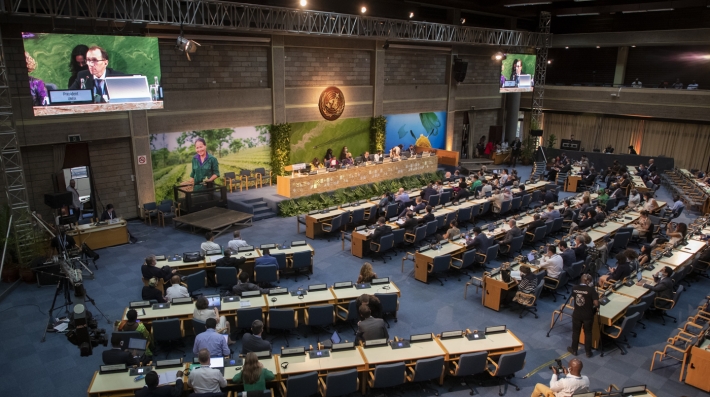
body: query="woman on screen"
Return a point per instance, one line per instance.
(37, 88)
(328, 155)
(343, 153)
(205, 167)
(77, 62)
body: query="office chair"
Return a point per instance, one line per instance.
(468, 365)
(335, 225)
(506, 367)
(303, 385)
(554, 284)
(266, 274)
(439, 264)
(285, 320)
(378, 249)
(195, 282)
(319, 317)
(387, 376)
(246, 316)
(616, 334)
(531, 305)
(226, 277)
(349, 314)
(169, 333)
(390, 305)
(663, 305)
(425, 370)
(339, 383)
(301, 260)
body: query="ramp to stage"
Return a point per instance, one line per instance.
(215, 219)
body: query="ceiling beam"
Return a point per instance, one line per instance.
(642, 38)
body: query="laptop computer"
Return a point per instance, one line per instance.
(137, 344)
(218, 363)
(214, 301)
(335, 338)
(524, 81)
(122, 89)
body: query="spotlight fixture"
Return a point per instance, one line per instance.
(566, 48)
(303, 3)
(463, 20)
(633, 46)
(598, 47)
(185, 45)
(363, 9)
(498, 56)
(411, 15)
(549, 61)
(386, 45)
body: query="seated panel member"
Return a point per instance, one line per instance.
(116, 355)
(370, 328)
(98, 60)
(382, 229)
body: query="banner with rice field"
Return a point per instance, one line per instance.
(234, 148)
(419, 129)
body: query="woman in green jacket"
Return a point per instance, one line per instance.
(253, 375)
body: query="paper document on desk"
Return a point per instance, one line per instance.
(167, 377)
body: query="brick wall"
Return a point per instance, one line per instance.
(112, 172)
(216, 66)
(481, 70)
(403, 68)
(37, 162)
(308, 67)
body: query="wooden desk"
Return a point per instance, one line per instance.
(338, 360)
(313, 222)
(104, 385)
(493, 288)
(184, 312)
(298, 186)
(101, 236)
(634, 291)
(345, 295)
(494, 344)
(698, 372)
(422, 258)
(678, 259)
(385, 355)
(499, 158)
(571, 183)
(312, 298)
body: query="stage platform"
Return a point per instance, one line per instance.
(214, 219)
(263, 202)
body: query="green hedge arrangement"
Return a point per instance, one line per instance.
(320, 201)
(377, 134)
(280, 148)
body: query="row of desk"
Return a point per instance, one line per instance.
(364, 359)
(339, 296)
(209, 262)
(314, 221)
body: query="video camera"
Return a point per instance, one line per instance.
(84, 331)
(558, 367)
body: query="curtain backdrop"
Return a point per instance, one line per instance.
(688, 144)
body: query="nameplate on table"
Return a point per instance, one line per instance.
(421, 338)
(181, 301)
(451, 334)
(343, 284)
(57, 97)
(496, 329)
(293, 351)
(343, 346)
(376, 342)
(112, 369)
(317, 287)
(319, 353)
(176, 362)
(139, 304)
(382, 280)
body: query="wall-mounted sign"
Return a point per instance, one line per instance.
(142, 160)
(331, 103)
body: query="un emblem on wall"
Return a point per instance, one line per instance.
(331, 103)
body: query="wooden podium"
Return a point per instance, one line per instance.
(698, 372)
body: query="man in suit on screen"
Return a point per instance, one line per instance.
(94, 79)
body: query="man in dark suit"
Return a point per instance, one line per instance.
(151, 388)
(428, 217)
(480, 241)
(109, 214)
(580, 249)
(228, 261)
(651, 166)
(253, 342)
(567, 254)
(513, 232)
(150, 270)
(382, 229)
(244, 285)
(410, 223)
(116, 355)
(663, 287)
(428, 191)
(550, 196)
(370, 328)
(537, 222)
(418, 205)
(95, 78)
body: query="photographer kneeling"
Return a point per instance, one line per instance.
(572, 382)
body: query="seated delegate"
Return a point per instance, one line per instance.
(253, 375)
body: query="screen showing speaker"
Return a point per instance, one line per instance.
(517, 73)
(72, 73)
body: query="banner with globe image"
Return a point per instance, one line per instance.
(420, 129)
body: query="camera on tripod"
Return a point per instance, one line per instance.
(558, 367)
(85, 331)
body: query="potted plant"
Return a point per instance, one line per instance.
(535, 129)
(527, 151)
(551, 140)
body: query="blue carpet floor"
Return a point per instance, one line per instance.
(54, 368)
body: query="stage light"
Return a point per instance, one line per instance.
(633, 46)
(186, 46)
(463, 20)
(363, 9)
(303, 3)
(549, 61)
(566, 48)
(411, 15)
(598, 47)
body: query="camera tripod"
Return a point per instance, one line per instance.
(80, 292)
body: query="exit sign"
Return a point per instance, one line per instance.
(74, 138)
